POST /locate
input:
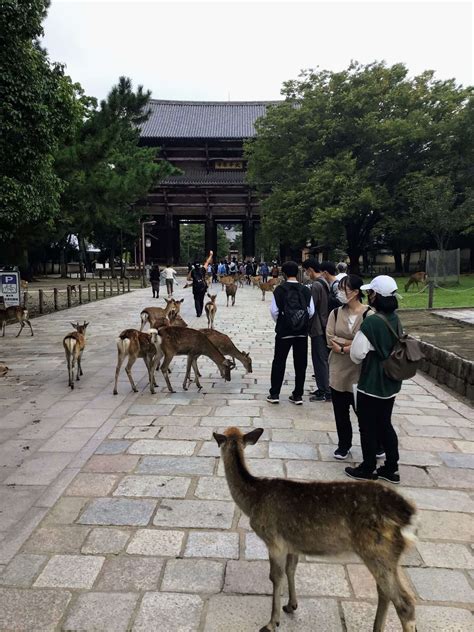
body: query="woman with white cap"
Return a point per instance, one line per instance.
(376, 392)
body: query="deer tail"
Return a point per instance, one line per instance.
(123, 345)
(404, 514)
(70, 345)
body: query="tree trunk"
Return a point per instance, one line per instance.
(113, 272)
(397, 255)
(365, 259)
(406, 262)
(62, 262)
(354, 255)
(82, 259)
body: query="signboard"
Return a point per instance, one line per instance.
(229, 164)
(10, 288)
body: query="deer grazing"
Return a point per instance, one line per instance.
(211, 308)
(416, 279)
(152, 314)
(266, 287)
(294, 518)
(192, 343)
(74, 344)
(136, 344)
(231, 291)
(225, 345)
(15, 312)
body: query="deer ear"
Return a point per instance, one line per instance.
(181, 301)
(220, 438)
(252, 437)
(74, 325)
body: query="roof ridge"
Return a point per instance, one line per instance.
(207, 103)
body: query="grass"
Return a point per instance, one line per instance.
(461, 295)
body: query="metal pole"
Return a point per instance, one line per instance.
(41, 301)
(430, 294)
(143, 256)
(55, 296)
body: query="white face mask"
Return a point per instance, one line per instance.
(341, 297)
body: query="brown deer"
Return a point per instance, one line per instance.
(240, 278)
(211, 308)
(192, 343)
(416, 279)
(266, 287)
(225, 345)
(317, 518)
(136, 344)
(176, 320)
(151, 314)
(225, 279)
(231, 291)
(74, 344)
(15, 312)
(255, 280)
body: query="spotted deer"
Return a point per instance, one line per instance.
(150, 314)
(74, 343)
(134, 344)
(317, 518)
(416, 279)
(266, 287)
(211, 309)
(15, 312)
(231, 291)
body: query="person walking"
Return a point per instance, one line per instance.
(343, 324)
(169, 275)
(248, 271)
(155, 280)
(264, 272)
(317, 331)
(275, 271)
(328, 268)
(375, 395)
(198, 278)
(291, 309)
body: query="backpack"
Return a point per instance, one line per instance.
(295, 311)
(333, 301)
(405, 357)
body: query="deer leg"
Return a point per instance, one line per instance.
(277, 570)
(120, 359)
(68, 361)
(196, 375)
(151, 377)
(187, 375)
(291, 563)
(3, 329)
(31, 328)
(22, 324)
(164, 370)
(404, 604)
(79, 367)
(128, 371)
(196, 369)
(73, 364)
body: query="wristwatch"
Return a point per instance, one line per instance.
(342, 349)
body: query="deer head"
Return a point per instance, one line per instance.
(247, 362)
(81, 329)
(212, 297)
(234, 436)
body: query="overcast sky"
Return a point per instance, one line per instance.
(245, 50)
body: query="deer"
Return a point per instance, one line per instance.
(415, 279)
(150, 314)
(231, 291)
(136, 344)
(255, 280)
(211, 308)
(240, 278)
(225, 345)
(225, 279)
(266, 287)
(314, 518)
(15, 312)
(74, 343)
(192, 343)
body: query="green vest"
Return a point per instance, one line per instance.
(373, 380)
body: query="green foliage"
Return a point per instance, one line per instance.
(191, 242)
(222, 243)
(330, 160)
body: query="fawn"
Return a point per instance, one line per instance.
(150, 314)
(266, 287)
(74, 344)
(318, 518)
(211, 309)
(231, 291)
(137, 344)
(20, 314)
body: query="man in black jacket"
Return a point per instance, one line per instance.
(291, 309)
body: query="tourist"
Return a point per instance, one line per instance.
(215, 278)
(328, 268)
(169, 275)
(341, 270)
(376, 392)
(198, 278)
(317, 331)
(155, 280)
(291, 309)
(343, 324)
(264, 271)
(275, 271)
(248, 271)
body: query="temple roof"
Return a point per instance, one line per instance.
(203, 119)
(199, 178)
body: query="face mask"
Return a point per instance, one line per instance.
(341, 297)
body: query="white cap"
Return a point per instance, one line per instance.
(382, 284)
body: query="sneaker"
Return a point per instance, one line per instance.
(328, 397)
(318, 396)
(273, 399)
(318, 391)
(295, 400)
(341, 455)
(385, 475)
(380, 455)
(360, 474)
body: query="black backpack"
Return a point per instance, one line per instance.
(295, 310)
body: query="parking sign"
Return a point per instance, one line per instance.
(10, 288)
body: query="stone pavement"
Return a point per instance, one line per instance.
(115, 514)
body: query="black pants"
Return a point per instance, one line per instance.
(155, 287)
(199, 301)
(319, 355)
(169, 286)
(375, 427)
(300, 361)
(341, 403)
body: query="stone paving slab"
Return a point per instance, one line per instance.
(119, 515)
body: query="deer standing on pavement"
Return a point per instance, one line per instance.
(192, 343)
(20, 314)
(225, 279)
(317, 518)
(225, 345)
(231, 291)
(211, 309)
(74, 344)
(134, 344)
(266, 287)
(415, 279)
(150, 314)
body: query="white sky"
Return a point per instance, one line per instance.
(245, 50)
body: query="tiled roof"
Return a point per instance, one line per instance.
(202, 178)
(203, 119)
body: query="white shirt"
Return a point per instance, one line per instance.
(169, 273)
(360, 347)
(341, 275)
(274, 311)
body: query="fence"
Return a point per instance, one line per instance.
(443, 265)
(45, 301)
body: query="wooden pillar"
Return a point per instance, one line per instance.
(210, 234)
(248, 238)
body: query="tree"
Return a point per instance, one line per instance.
(222, 243)
(192, 242)
(37, 111)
